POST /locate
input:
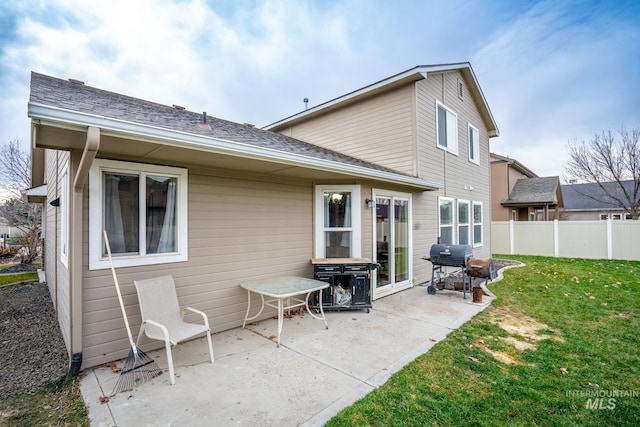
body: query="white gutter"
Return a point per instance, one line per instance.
(55, 116)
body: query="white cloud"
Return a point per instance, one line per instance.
(550, 70)
(555, 75)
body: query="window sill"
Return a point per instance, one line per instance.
(448, 150)
(103, 263)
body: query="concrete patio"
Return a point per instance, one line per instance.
(314, 374)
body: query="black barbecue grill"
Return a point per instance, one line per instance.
(444, 255)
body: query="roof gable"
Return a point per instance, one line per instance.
(497, 158)
(412, 75)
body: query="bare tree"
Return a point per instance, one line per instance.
(15, 168)
(15, 176)
(612, 161)
(26, 217)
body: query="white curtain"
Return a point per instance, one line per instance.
(167, 241)
(113, 214)
(346, 241)
(327, 219)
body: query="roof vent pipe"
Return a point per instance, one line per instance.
(204, 117)
(306, 101)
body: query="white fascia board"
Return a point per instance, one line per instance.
(55, 116)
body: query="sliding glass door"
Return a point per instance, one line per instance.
(392, 236)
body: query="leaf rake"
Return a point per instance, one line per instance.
(138, 368)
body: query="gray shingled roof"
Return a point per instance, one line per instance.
(534, 191)
(78, 97)
(591, 196)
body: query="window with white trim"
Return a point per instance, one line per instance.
(446, 128)
(446, 220)
(337, 221)
(143, 208)
(474, 144)
(464, 220)
(477, 224)
(64, 217)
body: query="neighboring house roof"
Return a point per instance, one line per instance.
(70, 103)
(414, 74)
(535, 191)
(497, 158)
(590, 196)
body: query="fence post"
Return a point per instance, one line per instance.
(556, 239)
(511, 238)
(609, 239)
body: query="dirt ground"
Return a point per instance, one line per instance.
(32, 348)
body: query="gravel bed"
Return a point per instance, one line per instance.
(32, 350)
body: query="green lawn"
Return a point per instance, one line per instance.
(58, 404)
(17, 277)
(559, 347)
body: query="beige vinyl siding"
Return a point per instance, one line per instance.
(425, 233)
(456, 172)
(241, 227)
(57, 275)
(49, 219)
(380, 130)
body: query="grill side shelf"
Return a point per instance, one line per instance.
(349, 285)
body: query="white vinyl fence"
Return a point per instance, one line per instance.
(572, 239)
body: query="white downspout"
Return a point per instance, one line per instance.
(80, 173)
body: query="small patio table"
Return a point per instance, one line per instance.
(281, 289)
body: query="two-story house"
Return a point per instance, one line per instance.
(505, 172)
(431, 122)
(381, 173)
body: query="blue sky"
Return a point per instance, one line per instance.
(552, 71)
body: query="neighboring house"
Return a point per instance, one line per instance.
(505, 172)
(590, 202)
(7, 231)
(534, 199)
(395, 165)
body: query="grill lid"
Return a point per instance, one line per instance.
(450, 255)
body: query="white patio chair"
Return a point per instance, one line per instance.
(162, 318)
